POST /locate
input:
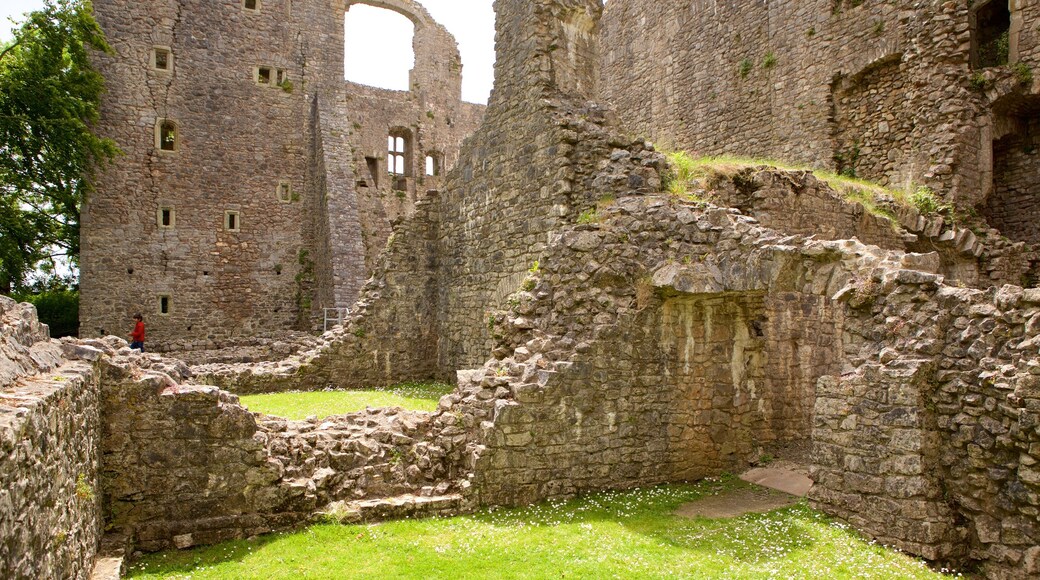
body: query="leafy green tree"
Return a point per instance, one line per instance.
(49, 100)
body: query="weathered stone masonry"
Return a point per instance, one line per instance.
(892, 91)
(614, 336)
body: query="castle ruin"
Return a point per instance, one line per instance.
(603, 333)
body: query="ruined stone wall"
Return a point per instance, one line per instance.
(880, 88)
(930, 444)
(1012, 207)
(432, 128)
(392, 333)
(639, 360)
(50, 515)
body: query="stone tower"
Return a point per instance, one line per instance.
(254, 190)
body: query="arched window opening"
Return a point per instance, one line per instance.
(991, 34)
(166, 137)
(433, 164)
(378, 47)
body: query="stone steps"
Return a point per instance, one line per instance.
(109, 563)
(396, 508)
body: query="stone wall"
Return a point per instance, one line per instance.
(236, 141)
(50, 515)
(186, 465)
(883, 89)
(930, 445)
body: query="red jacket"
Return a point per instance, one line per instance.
(138, 334)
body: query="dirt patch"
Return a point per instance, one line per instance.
(754, 499)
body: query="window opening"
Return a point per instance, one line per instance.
(251, 5)
(992, 38)
(395, 57)
(373, 170)
(284, 192)
(164, 305)
(166, 217)
(399, 147)
(161, 58)
(281, 77)
(232, 223)
(433, 164)
(167, 135)
(263, 75)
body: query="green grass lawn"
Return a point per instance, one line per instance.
(606, 535)
(296, 405)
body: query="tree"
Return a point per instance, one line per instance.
(49, 102)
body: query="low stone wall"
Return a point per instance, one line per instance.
(185, 465)
(50, 518)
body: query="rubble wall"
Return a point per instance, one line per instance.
(50, 516)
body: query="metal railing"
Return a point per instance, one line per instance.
(335, 316)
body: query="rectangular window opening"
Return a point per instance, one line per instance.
(161, 58)
(284, 192)
(251, 4)
(232, 223)
(166, 217)
(373, 170)
(168, 136)
(164, 305)
(263, 75)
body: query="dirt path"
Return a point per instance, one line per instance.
(773, 488)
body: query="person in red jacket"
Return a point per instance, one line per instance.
(137, 336)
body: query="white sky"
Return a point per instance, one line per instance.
(384, 43)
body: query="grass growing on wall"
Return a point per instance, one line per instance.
(416, 396)
(631, 534)
(873, 197)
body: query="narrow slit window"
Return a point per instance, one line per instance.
(164, 305)
(232, 221)
(281, 77)
(167, 136)
(162, 59)
(166, 217)
(284, 192)
(373, 170)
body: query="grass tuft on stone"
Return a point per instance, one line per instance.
(875, 199)
(296, 405)
(630, 534)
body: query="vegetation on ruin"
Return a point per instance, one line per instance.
(49, 99)
(632, 534)
(691, 174)
(414, 396)
(58, 308)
